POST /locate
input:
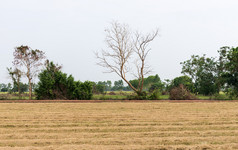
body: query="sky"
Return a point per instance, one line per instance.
(70, 31)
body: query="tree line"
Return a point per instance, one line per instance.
(127, 53)
(201, 75)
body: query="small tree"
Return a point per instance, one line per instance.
(118, 85)
(151, 83)
(184, 80)
(16, 77)
(31, 60)
(3, 87)
(123, 46)
(99, 87)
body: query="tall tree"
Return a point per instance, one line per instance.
(228, 68)
(123, 46)
(31, 60)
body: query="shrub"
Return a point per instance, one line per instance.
(180, 93)
(54, 84)
(185, 80)
(154, 95)
(83, 90)
(141, 96)
(218, 96)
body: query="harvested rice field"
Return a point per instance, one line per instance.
(119, 125)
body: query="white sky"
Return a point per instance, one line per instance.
(69, 31)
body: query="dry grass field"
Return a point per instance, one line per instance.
(69, 126)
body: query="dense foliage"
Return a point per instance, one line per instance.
(184, 80)
(55, 84)
(23, 88)
(5, 87)
(203, 72)
(151, 83)
(228, 64)
(118, 86)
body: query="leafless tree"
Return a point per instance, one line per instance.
(141, 43)
(31, 60)
(123, 46)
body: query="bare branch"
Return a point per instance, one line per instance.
(121, 46)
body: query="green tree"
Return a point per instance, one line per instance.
(4, 87)
(55, 84)
(228, 68)
(22, 88)
(118, 85)
(9, 87)
(15, 75)
(108, 85)
(204, 73)
(150, 83)
(185, 80)
(100, 87)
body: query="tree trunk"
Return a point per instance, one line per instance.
(132, 87)
(30, 90)
(18, 86)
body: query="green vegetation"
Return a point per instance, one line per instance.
(203, 71)
(203, 77)
(54, 84)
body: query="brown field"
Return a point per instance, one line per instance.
(119, 125)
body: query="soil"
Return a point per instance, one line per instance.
(103, 101)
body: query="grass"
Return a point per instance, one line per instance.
(14, 96)
(117, 95)
(123, 95)
(119, 126)
(113, 95)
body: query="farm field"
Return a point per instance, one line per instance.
(119, 125)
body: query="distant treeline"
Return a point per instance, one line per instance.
(201, 75)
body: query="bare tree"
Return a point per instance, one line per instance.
(31, 60)
(123, 46)
(141, 43)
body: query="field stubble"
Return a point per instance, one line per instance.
(119, 126)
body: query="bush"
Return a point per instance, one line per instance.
(180, 93)
(83, 91)
(54, 84)
(141, 96)
(185, 80)
(154, 95)
(218, 96)
(231, 93)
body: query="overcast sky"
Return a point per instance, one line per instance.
(69, 31)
